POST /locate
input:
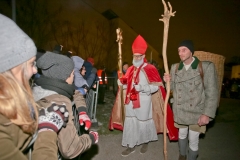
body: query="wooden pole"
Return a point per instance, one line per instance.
(119, 40)
(166, 18)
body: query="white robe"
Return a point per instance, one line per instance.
(139, 126)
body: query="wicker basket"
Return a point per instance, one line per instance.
(218, 60)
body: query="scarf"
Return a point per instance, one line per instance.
(57, 85)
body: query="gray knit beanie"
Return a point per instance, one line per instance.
(55, 65)
(15, 46)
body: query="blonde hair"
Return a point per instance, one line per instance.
(16, 100)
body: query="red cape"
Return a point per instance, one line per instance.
(157, 102)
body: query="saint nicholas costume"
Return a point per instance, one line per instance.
(144, 109)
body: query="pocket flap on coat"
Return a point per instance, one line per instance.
(197, 82)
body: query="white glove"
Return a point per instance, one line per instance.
(138, 87)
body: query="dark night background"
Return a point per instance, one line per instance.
(213, 25)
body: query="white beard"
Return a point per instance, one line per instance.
(137, 63)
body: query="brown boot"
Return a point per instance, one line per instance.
(144, 148)
(128, 151)
(181, 157)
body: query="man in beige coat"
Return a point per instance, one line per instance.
(195, 97)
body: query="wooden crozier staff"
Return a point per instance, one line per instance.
(166, 18)
(119, 40)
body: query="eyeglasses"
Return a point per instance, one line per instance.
(137, 56)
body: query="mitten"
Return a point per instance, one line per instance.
(144, 88)
(94, 136)
(83, 117)
(54, 117)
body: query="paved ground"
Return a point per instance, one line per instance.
(221, 142)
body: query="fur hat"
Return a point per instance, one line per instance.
(15, 46)
(139, 45)
(188, 44)
(55, 65)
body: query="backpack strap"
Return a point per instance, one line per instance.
(201, 71)
(177, 65)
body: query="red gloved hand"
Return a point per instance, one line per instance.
(123, 80)
(83, 117)
(95, 135)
